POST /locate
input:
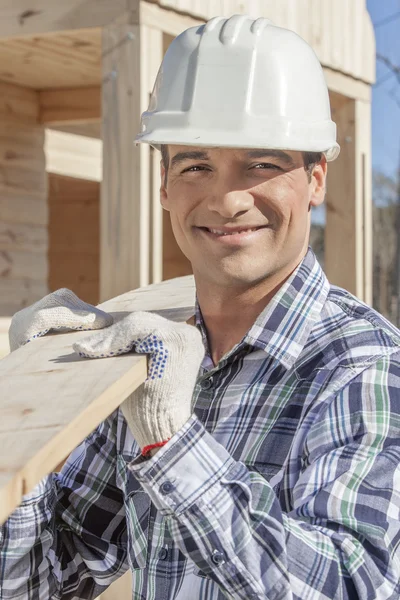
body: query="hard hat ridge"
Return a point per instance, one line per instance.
(231, 29)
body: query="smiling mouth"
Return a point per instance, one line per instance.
(223, 233)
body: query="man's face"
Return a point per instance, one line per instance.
(240, 216)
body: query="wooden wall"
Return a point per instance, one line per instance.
(74, 243)
(23, 201)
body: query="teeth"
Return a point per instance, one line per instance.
(233, 232)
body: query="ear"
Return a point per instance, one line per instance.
(163, 188)
(318, 183)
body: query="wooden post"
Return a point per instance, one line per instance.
(128, 187)
(348, 234)
(23, 201)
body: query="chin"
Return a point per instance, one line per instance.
(238, 277)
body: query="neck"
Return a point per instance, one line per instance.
(229, 312)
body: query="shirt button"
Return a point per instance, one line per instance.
(162, 555)
(217, 558)
(167, 487)
(206, 384)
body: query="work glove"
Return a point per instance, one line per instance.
(61, 310)
(161, 406)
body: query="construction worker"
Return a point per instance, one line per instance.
(261, 457)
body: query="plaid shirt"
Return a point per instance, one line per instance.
(284, 484)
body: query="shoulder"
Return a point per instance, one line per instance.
(349, 335)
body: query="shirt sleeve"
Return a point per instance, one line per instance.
(68, 537)
(341, 537)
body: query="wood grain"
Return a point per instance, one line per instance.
(51, 399)
(70, 105)
(23, 201)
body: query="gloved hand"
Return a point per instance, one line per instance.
(60, 310)
(158, 408)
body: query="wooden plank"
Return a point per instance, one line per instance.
(168, 21)
(348, 86)
(20, 264)
(23, 201)
(18, 293)
(4, 327)
(51, 399)
(23, 236)
(18, 103)
(61, 60)
(23, 206)
(124, 233)
(22, 18)
(73, 155)
(70, 105)
(155, 52)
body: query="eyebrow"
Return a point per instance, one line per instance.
(279, 154)
(257, 153)
(190, 155)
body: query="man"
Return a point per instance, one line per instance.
(269, 467)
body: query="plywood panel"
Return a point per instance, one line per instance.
(74, 244)
(38, 430)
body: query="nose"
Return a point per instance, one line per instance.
(230, 204)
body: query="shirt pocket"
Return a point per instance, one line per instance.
(138, 508)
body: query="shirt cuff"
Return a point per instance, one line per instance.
(183, 470)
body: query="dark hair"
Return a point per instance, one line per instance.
(310, 159)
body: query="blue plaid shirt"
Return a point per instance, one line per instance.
(284, 484)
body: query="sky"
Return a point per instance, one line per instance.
(386, 91)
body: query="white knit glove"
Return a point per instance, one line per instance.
(61, 310)
(159, 408)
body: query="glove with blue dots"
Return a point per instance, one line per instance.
(161, 406)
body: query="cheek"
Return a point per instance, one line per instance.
(283, 201)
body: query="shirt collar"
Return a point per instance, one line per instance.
(283, 327)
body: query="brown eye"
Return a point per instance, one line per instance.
(194, 169)
(260, 166)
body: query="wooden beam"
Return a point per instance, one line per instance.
(22, 17)
(346, 85)
(71, 105)
(128, 187)
(166, 20)
(73, 155)
(38, 429)
(348, 233)
(18, 103)
(23, 201)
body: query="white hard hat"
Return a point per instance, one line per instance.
(240, 83)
